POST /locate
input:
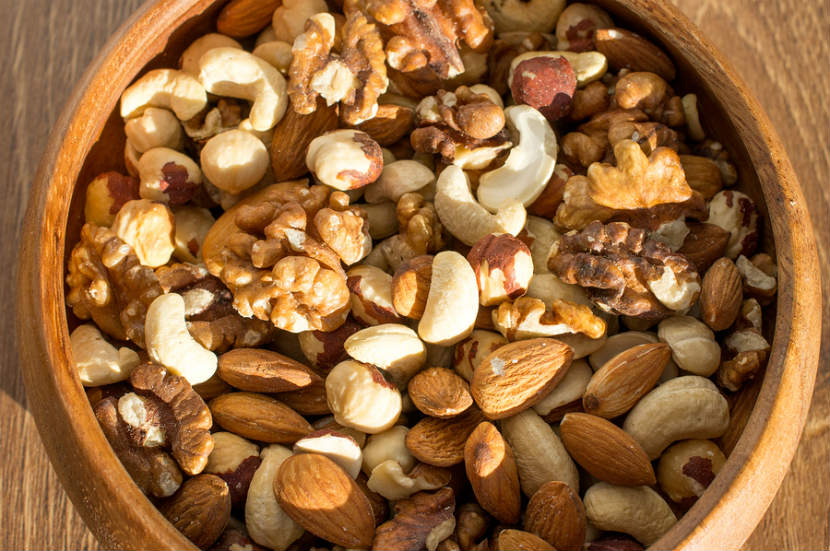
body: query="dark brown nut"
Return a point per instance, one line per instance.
(747, 351)
(294, 133)
(420, 522)
(310, 400)
(715, 151)
(736, 213)
(258, 370)
(200, 509)
(469, 352)
(627, 50)
(577, 24)
(556, 514)
(704, 244)
(106, 194)
(503, 268)
(258, 417)
(324, 349)
(234, 460)
(702, 175)
(589, 101)
(687, 468)
(472, 523)
(410, 286)
(390, 124)
(506, 48)
(551, 197)
(546, 84)
(371, 295)
(721, 295)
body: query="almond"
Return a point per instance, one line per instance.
(624, 379)
(704, 244)
(390, 123)
(440, 442)
(294, 133)
(721, 295)
(410, 286)
(258, 417)
(627, 50)
(439, 392)
(310, 400)
(605, 450)
(491, 470)
(200, 510)
(702, 175)
(322, 498)
(556, 514)
(518, 375)
(240, 18)
(258, 370)
(512, 540)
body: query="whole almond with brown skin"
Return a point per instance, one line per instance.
(518, 375)
(260, 370)
(704, 244)
(322, 498)
(292, 136)
(616, 386)
(258, 417)
(410, 286)
(390, 123)
(491, 470)
(200, 510)
(556, 514)
(440, 442)
(627, 50)
(310, 400)
(605, 450)
(241, 18)
(439, 392)
(721, 295)
(702, 175)
(512, 540)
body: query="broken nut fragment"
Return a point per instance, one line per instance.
(360, 397)
(503, 268)
(420, 522)
(344, 159)
(527, 318)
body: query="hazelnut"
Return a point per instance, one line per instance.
(324, 349)
(473, 349)
(576, 26)
(503, 268)
(687, 468)
(371, 295)
(344, 159)
(545, 83)
(192, 225)
(359, 397)
(148, 228)
(234, 459)
(393, 347)
(736, 213)
(105, 196)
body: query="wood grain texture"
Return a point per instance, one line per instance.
(780, 49)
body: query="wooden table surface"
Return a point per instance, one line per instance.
(780, 47)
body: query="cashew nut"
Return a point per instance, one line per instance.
(165, 88)
(467, 220)
(569, 389)
(266, 522)
(170, 344)
(189, 61)
(234, 160)
(154, 128)
(397, 178)
(452, 303)
(692, 116)
(581, 344)
(289, 18)
(339, 447)
(154, 171)
(388, 479)
(239, 74)
(393, 347)
(97, 361)
(382, 218)
(277, 53)
(588, 66)
(693, 345)
(548, 287)
(679, 409)
(529, 165)
(147, 227)
(389, 445)
(638, 511)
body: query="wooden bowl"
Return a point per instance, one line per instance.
(768, 415)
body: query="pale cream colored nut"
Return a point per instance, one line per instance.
(757, 283)
(528, 167)
(548, 288)
(398, 178)
(169, 343)
(687, 468)
(576, 25)
(469, 352)
(234, 160)
(131, 158)
(191, 226)
(751, 315)
(464, 217)
(736, 213)
(360, 397)
(371, 295)
(328, 423)
(503, 268)
(147, 227)
(229, 451)
(382, 218)
(339, 447)
(693, 345)
(452, 288)
(587, 66)
(167, 89)
(189, 60)
(527, 318)
(692, 116)
(569, 389)
(266, 522)
(389, 480)
(267, 35)
(539, 453)
(106, 194)
(637, 511)
(623, 341)
(543, 235)
(673, 233)
(389, 445)
(393, 347)
(582, 345)
(168, 176)
(289, 18)
(277, 53)
(97, 361)
(154, 128)
(679, 409)
(240, 74)
(521, 15)
(344, 159)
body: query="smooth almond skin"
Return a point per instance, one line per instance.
(439, 392)
(556, 514)
(624, 379)
(240, 18)
(606, 451)
(721, 295)
(259, 370)
(440, 442)
(627, 50)
(513, 540)
(491, 470)
(322, 498)
(294, 133)
(258, 417)
(518, 375)
(200, 510)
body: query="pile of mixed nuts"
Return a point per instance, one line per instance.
(418, 274)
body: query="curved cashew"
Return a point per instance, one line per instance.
(452, 303)
(170, 344)
(548, 287)
(277, 53)
(693, 344)
(165, 88)
(234, 160)
(97, 361)
(159, 182)
(266, 522)
(189, 61)
(638, 511)
(239, 74)
(544, 235)
(388, 479)
(588, 66)
(467, 220)
(397, 178)
(529, 165)
(389, 445)
(154, 128)
(682, 408)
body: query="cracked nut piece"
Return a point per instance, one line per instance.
(624, 271)
(577, 24)
(389, 480)
(491, 470)
(105, 196)
(687, 468)
(527, 317)
(339, 447)
(420, 522)
(147, 227)
(168, 176)
(410, 286)
(371, 295)
(693, 345)
(472, 350)
(638, 511)
(361, 398)
(503, 268)
(266, 522)
(389, 445)
(166, 89)
(344, 159)
(324, 349)
(464, 114)
(392, 347)
(736, 213)
(235, 460)
(452, 288)
(192, 224)
(758, 283)
(439, 392)
(200, 510)
(97, 361)
(747, 351)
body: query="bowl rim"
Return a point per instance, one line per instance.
(725, 515)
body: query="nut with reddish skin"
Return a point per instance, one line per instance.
(371, 295)
(577, 24)
(472, 350)
(392, 347)
(234, 459)
(360, 397)
(721, 295)
(258, 417)
(105, 196)
(545, 83)
(324, 349)
(704, 244)
(619, 542)
(200, 510)
(422, 521)
(503, 268)
(344, 159)
(168, 176)
(410, 286)
(687, 468)
(736, 213)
